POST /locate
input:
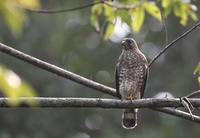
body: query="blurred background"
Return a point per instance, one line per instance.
(69, 41)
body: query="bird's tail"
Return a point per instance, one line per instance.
(129, 118)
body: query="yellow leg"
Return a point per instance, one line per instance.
(131, 97)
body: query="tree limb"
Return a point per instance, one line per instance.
(98, 102)
(56, 70)
(152, 103)
(74, 77)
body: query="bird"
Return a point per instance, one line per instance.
(131, 76)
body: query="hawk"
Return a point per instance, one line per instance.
(131, 76)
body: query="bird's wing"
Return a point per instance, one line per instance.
(146, 74)
(117, 83)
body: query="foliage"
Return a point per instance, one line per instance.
(14, 15)
(197, 71)
(13, 86)
(133, 13)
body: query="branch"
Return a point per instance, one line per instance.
(98, 102)
(63, 10)
(189, 31)
(67, 74)
(178, 113)
(110, 4)
(56, 70)
(153, 103)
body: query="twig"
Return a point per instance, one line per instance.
(110, 4)
(188, 105)
(174, 41)
(56, 70)
(178, 113)
(63, 10)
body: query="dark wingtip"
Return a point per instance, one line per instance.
(129, 118)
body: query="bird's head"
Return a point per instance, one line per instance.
(129, 44)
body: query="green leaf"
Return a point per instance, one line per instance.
(138, 18)
(197, 69)
(13, 15)
(129, 1)
(95, 22)
(166, 3)
(13, 86)
(95, 13)
(193, 15)
(31, 4)
(125, 16)
(109, 13)
(97, 9)
(180, 10)
(109, 30)
(153, 10)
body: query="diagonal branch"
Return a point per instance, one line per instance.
(56, 70)
(189, 31)
(178, 113)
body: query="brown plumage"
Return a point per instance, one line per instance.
(131, 75)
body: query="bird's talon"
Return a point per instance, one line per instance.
(131, 97)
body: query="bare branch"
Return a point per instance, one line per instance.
(99, 103)
(152, 103)
(193, 28)
(66, 74)
(63, 10)
(56, 70)
(178, 113)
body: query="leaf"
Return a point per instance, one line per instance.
(193, 15)
(97, 9)
(109, 30)
(95, 13)
(129, 1)
(153, 10)
(166, 3)
(197, 69)
(138, 18)
(13, 15)
(12, 86)
(109, 13)
(125, 16)
(95, 22)
(199, 80)
(180, 11)
(30, 4)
